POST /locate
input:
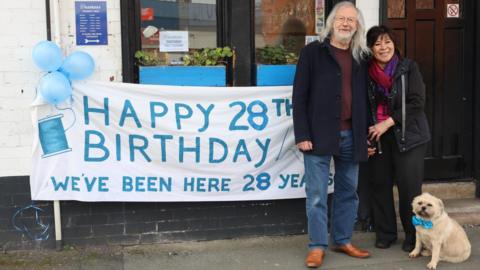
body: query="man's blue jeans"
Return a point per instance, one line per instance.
(345, 200)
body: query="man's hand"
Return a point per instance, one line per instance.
(305, 146)
(376, 131)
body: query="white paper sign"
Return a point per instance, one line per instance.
(173, 41)
(453, 10)
(130, 142)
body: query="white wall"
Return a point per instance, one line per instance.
(22, 25)
(370, 10)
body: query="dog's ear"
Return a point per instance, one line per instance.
(440, 205)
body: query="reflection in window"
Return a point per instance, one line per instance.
(284, 24)
(195, 19)
(424, 4)
(395, 9)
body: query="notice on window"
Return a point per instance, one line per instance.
(319, 15)
(91, 22)
(174, 41)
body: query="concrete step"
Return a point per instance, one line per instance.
(447, 191)
(464, 211)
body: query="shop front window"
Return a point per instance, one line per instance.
(171, 28)
(283, 27)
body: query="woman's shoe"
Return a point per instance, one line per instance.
(408, 246)
(409, 243)
(383, 244)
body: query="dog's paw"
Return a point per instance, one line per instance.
(413, 254)
(432, 265)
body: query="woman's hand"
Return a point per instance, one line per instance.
(371, 149)
(377, 130)
(305, 146)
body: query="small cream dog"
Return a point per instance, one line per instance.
(437, 235)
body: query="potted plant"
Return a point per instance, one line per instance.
(276, 66)
(204, 67)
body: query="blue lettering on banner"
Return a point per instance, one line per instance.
(206, 115)
(163, 139)
(187, 113)
(291, 180)
(129, 111)
(288, 106)
(154, 114)
(224, 146)
(146, 184)
(98, 146)
(264, 148)
(255, 110)
(217, 151)
(241, 150)
(233, 124)
(140, 148)
(206, 184)
(102, 185)
(262, 181)
(87, 110)
(195, 149)
(74, 182)
(118, 147)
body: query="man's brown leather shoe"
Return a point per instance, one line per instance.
(350, 250)
(315, 258)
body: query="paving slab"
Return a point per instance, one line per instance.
(265, 253)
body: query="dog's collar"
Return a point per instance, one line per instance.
(417, 221)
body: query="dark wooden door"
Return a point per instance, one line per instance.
(438, 34)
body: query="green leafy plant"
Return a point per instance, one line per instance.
(208, 57)
(148, 58)
(276, 55)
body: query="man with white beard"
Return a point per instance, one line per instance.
(330, 121)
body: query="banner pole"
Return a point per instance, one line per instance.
(56, 204)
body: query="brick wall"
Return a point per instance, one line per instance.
(22, 25)
(115, 223)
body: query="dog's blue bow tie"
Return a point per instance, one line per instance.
(421, 222)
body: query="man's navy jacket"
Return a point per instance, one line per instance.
(317, 101)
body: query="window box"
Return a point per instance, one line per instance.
(183, 75)
(273, 75)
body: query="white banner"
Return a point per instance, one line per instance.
(130, 142)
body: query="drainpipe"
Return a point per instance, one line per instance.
(56, 39)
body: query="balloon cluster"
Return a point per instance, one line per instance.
(55, 87)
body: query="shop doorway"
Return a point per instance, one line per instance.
(438, 34)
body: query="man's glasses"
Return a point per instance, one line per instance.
(349, 20)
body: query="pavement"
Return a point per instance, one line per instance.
(280, 252)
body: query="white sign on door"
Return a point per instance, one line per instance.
(453, 10)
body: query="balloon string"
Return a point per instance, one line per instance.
(73, 113)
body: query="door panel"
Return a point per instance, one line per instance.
(442, 48)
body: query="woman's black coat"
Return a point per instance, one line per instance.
(416, 130)
(317, 101)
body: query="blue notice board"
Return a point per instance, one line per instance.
(91, 22)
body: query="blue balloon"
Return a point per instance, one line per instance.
(47, 56)
(55, 88)
(78, 66)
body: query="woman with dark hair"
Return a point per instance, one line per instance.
(400, 130)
